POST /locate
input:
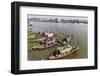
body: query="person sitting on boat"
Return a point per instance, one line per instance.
(56, 52)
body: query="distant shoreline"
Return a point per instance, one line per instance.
(57, 20)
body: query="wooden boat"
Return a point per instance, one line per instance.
(41, 47)
(64, 52)
(46, 41)
(63, 40)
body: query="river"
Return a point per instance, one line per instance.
(80, 37)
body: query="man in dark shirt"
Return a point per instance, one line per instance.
(56, 53)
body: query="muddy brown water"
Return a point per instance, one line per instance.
(80, 37)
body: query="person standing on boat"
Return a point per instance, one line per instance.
(56, 53)
(44, 42)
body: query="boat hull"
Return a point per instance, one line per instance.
(63, 54)
(41, 48)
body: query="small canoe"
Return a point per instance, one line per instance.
(64, 53)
